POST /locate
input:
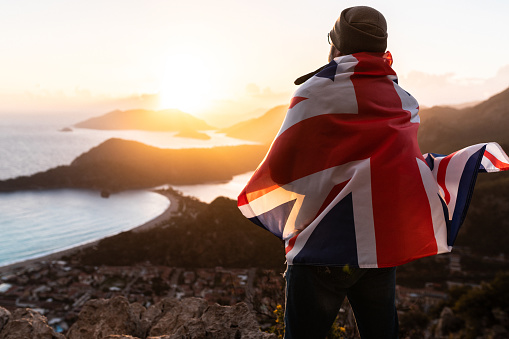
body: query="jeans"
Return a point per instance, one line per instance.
(314, 295)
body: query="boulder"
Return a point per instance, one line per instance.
(4, 317)
(100, 318)
(194, 318)
(115, 318)
(170, 314)
(448, 323)
(26, 323)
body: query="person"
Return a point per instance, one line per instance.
(346, 187)
(315, 293)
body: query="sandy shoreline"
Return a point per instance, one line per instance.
(173, 208)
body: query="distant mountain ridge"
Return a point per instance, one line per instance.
(146, 120)
(262, 129)
(445, 129)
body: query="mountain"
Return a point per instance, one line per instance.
(146, 120)
(262, 129)
(445, 130)
(118, 164)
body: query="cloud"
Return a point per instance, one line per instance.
(250, 102)
(447, 89)
(39, 100)
(254, 102)
(254, 92)
(252, 89)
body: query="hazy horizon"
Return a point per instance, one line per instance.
(221, 118)
(230, 58)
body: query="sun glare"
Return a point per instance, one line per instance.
(186, 84)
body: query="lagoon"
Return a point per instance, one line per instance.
(37, 223)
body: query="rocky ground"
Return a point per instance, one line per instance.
(117, 318)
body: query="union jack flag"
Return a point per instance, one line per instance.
(344, 181)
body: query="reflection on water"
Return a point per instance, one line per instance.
(208, 192)
(36, 143)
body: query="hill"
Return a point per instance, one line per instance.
(206, 235)
(262, 129)
(445, 129)
(146, 120)
(120, 164)
(486, 225)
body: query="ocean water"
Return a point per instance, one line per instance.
(33, 224)
(36, 223)
(208, 192)
(30, 144)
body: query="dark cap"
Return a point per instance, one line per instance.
(360, 29)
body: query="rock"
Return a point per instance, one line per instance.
(26, 323)
(498, 331)
(115, 318)
(237, 316)
(501, 316)
(194, 318)
(448, 323)
(174, 314)
(100, 318)
(4, 317)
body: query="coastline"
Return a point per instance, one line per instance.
(171, 210)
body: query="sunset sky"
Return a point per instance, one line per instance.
(232, 55)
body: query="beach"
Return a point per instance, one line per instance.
(171, 210)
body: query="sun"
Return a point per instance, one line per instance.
(186, 83)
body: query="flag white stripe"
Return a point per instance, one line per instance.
(494, 149)
(363, 217)
(358, 172)
(437, 214)
(326, 101)
(408, 102)
(455, 171)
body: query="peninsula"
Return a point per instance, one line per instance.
(118, 164)
(146, 120)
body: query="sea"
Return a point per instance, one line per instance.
(37, 223)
